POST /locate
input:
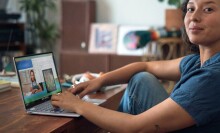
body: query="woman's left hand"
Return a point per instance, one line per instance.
(66, 101)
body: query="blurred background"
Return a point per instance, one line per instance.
(64, 28)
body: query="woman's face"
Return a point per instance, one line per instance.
(202, 21)
(32, 76)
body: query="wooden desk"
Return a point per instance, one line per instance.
(13, 118)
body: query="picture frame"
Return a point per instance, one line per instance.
(49, 80)
(127, 40)
(103, 38)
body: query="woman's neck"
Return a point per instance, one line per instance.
(207, 52)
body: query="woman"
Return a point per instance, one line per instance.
(35, 87)
(193, 106)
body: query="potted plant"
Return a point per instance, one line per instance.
(176, 3)
(173, 17)
(41, 34)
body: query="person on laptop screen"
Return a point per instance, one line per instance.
(194, 104)
(35, 87)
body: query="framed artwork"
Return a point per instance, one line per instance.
(49, 80)
(127, 40)
(103, 38)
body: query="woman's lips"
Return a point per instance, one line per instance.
(195, 29)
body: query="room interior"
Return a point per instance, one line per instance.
(73, 19)
(71, 24)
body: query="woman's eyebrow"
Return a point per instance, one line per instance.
(190, 3)
(207, 2)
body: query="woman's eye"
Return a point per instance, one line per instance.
(190, 9)
(208, 9)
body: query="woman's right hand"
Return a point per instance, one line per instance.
(33, 91)
(87, 87)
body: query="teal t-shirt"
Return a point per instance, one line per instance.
(198, 92)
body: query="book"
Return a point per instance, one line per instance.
(12, 79)
(5, 89)
(4, 85)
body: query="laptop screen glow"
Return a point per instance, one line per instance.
(38, 78)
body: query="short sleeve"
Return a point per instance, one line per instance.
(198, 90)
(188, 62)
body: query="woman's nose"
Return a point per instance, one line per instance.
(196, 16)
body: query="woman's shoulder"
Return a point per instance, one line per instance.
(191, 58)
(189, 61)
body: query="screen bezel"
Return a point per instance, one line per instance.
(43, 99)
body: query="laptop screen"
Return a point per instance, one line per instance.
(37, 77)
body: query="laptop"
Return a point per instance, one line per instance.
(38, 79)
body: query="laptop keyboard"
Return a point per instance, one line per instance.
(46, 107)
(49, 108)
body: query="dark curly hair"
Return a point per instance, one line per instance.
(193, 48)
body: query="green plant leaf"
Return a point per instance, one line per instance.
(40, 28)
(176, 3)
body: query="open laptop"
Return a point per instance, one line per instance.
(38, 81)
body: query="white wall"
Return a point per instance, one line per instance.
(141, 12)
(130, 12)
(14, 7)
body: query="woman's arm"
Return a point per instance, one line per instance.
(40, 88)
(32, 90)
(164, 117)
(168, 70)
